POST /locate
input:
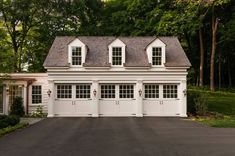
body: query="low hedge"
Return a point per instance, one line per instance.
(10, 120)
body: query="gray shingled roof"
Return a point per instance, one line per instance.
(97, 55)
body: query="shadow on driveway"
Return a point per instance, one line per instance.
(118, 137)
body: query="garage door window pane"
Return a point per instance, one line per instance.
(126, 91)
(107, 91)
(64, 91)
(170, 91)
(151, 91)
(83, 91)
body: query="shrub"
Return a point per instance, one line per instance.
(38, 112)
(201, 106)
(196, 103)
(191, 95)
(10, 120)
(17, 107)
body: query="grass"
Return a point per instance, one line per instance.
(220, 102)
(10, 129)
(219, 123)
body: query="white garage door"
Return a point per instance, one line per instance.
(73, 100)
(117, 100)
(161, 100)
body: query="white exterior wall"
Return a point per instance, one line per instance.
(40, 79)
(122, 76)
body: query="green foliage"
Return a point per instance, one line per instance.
(38, 113)
(201, 106)
(10, 129)
(17, 107)
(227, 122)
(28, 29)
(10, 120)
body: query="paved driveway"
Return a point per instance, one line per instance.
(118, 137)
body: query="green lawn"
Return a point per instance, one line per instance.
(219, 102)
(220, 123)
(10, 129)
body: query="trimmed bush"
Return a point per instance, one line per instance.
(10, 120)
(196, 103)
(201, 105)
(17, 107)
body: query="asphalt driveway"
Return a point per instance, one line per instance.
(118, 137)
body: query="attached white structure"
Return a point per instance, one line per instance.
(109, 76)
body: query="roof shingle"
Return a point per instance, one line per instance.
(97, 55)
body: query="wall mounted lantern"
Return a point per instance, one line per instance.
(94, 92)
(49, 92)
(185, 92)
(140, 92)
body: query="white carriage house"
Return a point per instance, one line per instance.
(106, 76)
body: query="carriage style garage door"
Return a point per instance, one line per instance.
(73, 100)
(117, 100)
(161, 100)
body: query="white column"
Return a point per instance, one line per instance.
(6, 97)
(139, 98)
(183, 98)
(95, 98)
(51, 98)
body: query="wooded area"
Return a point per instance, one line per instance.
(206, 29)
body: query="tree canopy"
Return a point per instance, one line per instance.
(205, 28)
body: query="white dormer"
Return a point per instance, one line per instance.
(156, 52)
(76, 53)
(117, 50)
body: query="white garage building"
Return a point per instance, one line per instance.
(113, 76)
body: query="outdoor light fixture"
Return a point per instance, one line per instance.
(185, 92)
(49, 92)
(140, 92)
(7, 90)
(94, 92)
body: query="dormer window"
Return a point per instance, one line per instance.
(117, 53)
(157, 56)
(117, 56)
(77, 51)
(76, 56)
(156, 52)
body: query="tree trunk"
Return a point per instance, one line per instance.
(220, 69)
(213, 49)
(229, 74)
(201, 57)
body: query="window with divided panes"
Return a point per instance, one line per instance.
(76, 55)
(151, 91)
(170, 91)
(83, 91)
(117, 56)
(157, 56)
(36, 94)
(107, 91)
(64, 91)
(126, 91)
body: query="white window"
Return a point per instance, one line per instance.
(64, 91)
(117, 56)
(170, 91)
(151, 91)
(126, 91)
(76, 56)
(36, 94)
(15, 91)
(83, 91)
(108, 91)
(157, 56)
